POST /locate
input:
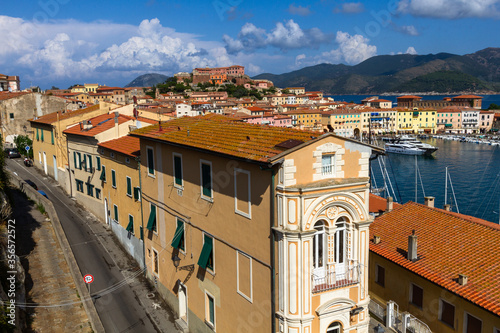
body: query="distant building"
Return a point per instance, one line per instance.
(296, 90)
(9, 83)
(411, 101)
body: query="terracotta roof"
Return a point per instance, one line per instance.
(52, 117)
(448, 244)
(379, 204)
(468, 96)
(408, 97)
(225, 135)
(379, 100)
(99, 124)
(8, 95)
(127, 145)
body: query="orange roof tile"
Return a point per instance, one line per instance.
(52, 117)
(448, 244)
(468, 96)
(99, 124)
(127, 145)
(8, 95)
(225, 135)
(379, 204)
(408, 97)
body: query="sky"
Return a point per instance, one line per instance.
(65, 42)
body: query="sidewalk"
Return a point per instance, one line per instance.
(49, 284)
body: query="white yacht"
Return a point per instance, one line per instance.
(412, 141)
(403, 148)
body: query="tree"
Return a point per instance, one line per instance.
(285, 91)
(54, 88)
(493, 106)
(21, 142)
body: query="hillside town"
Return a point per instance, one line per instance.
(248, 207)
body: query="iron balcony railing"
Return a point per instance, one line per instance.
(334, 280)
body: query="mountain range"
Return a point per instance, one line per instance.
(445, 73)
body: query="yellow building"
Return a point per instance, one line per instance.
(379, 121)
(417, 121)
(256, 229)
(119, 176)
(343, 122)
(307, 118)
(440, 267)
(50, 152)
(78, 89)
(91, 87)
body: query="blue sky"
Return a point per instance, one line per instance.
(63, 42)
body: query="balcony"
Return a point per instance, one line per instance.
(332, 280)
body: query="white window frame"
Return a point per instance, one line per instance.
(411, 295)
(182, 170)
(249, 214)
(332, 166)
(211, 198)
(131, 187)
(466, 322)
(155, 254)
(40, 158)
(117, 213)
(211, 271)
(152, 175)
(113, 171)
(248, 298)
(207, 311)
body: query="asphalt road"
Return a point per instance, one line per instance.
(123, 299)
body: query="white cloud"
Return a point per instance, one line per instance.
(299, 10)
(352, 50)
(284, 36)
(43, 52)
(406, 29)
(411, 50)
(350, 8)
(253, 69)
(450, 9)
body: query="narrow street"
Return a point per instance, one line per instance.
(124, 300)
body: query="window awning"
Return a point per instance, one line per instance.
(152, 220)
(205, 253)
(130, 226)
(103, 175)
(179, 233)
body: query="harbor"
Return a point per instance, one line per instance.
(473, 170)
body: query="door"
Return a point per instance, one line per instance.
(45, 162)
(54, 160)
(106, 211)
(183, 309)
(340, 250)
(319, 257)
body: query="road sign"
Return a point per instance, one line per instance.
(88, 279)
(27, 148)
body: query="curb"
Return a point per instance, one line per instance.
(89, 306)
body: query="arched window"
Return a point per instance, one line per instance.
(335, 327)
(339, 245)
(319, 242)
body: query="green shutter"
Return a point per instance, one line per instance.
(137, 193)
(151, 161)
(89, 163)
(178, 236)
(116, 212)
(42, 133)
(152, 219)
(37, 135)
(79, 161)
(113, 178)
(206, 178)
(52, 136)
(206, 253)
(130, 225)
(129, 186)
(74, 157)
(98, 162)
(178, 170)
(103, 174)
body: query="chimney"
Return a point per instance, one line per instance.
(462, 279)
(429, 202)
(376, 239)
(447, 207)
(390, 204)
(117, 129)
(412, 246)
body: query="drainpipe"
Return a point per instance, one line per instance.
(138, 159)
(273, 276)
(69, 168)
